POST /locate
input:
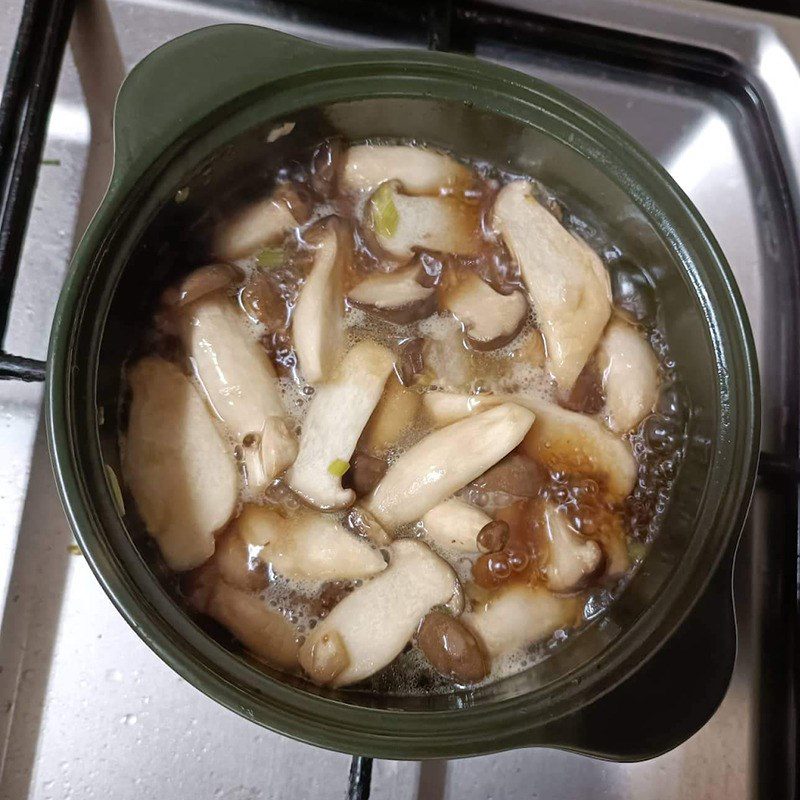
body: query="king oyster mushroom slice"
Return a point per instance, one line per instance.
(403, 223)
(372, 625)
(338, 412)
(393, 416)
(567, 283)
(261, 223)
(318, 323)
(444, 408)
(490, 319)
(629, 371)
(200, 282)
(570, 559)
(444, 462)
(308, 546)
(566, 441)
(267, 634)
(519, 615)
(397, 296)
(454, 525)
(420, 171)
(176, 464)
(240, 384)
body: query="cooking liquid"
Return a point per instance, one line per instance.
(656, 444)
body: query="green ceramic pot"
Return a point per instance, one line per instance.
(196, 114)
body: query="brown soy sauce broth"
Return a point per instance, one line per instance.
(267, 296)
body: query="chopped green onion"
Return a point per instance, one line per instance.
(182, 195)
(74, 550)
(51, 162)
(384, 212)
(338, 467)
(116, 492)
(270, 257)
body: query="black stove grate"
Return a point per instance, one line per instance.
(33, 73)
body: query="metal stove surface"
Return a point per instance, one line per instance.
(87, 710)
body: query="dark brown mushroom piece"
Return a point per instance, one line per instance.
(411, 362)
(516, 475)
(586, 395)
(493, 536)
(452, 649)
(364, 474)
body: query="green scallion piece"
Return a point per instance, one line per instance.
(338, 467)
(384, 212)
(270, 257)
(116, 492)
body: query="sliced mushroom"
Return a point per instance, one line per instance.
(455, 525)
(376, 621)
(326, 658)
(516, 476)
(420, 171)
(240, 385)
(444, 408)
(267, 634)
(238, 563)
(308, 546)
(446, 461)
(393, 416)
(200, 282)
(629, 371)
(452, 649)
(318, 324)
(403, 224)
(565, 278)
(490, 319)
(396, 296)
(364, 524)
(338, 413)
(262, 223)
(176, 464)
(565, 441)
(519, 615)
(567, 559)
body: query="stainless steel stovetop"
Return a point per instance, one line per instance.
(89, 711)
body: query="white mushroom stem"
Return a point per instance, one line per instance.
(318, 320)
(569, 558)
(338, 412)
(446, 461)
(397, 295)
(261, 223)
(490, 319)
(420, 171)
(376, 621)
(403, 223)
(176, 464)
(267, 634)
(567, 282)
(308, 546)
(454, 525)
(517, 616)
(566, 441)
(240, 385)
(444, 408)
(629, 371)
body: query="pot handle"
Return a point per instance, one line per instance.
(182, 81)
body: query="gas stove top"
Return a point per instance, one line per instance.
(712, 92)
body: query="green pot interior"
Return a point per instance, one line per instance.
(143, 239)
